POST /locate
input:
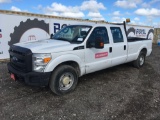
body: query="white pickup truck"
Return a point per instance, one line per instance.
(74, 51)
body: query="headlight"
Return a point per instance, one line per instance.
(40, 61)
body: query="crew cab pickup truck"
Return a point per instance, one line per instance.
(74, 51)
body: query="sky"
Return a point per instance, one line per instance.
(141, 12)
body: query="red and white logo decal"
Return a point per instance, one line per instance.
(100, 55)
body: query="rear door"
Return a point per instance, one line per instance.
(119, 45)
(97, 59)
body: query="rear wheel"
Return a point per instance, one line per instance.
(63, 80)
(140, 60)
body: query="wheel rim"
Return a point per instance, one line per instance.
(66, 81)
(141, 60)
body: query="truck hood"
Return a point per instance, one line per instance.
(47, 46)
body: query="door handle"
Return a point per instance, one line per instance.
(110, 49)
(124, 47)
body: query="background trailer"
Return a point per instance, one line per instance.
(21, 27)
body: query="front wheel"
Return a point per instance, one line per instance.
(63, 80)
(140, 60)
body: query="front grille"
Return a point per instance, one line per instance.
(21, 58)
(17, 52)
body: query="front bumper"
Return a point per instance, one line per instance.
(30, 78)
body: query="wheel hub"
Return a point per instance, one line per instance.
(66, 80)
(141, 61)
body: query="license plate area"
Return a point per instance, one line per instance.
(12, 76)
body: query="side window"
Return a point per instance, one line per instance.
(99, 32)
(117, 34)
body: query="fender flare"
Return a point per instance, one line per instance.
(65, 58)
(141, 48)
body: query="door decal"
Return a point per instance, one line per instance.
(102, 54)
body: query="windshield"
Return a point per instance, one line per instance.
(73, 33)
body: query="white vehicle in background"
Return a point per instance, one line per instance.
(74, 51)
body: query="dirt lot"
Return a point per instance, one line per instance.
(119, 93)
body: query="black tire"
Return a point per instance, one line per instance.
(59, 77)
(140, 60)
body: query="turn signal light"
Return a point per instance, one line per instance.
(101, 44)
(46, 60)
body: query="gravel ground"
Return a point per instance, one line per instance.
(119, 93)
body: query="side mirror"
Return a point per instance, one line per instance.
(51, 36)
(99, 43)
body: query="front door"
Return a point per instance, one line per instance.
(97, 59)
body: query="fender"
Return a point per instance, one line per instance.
(142, 47)
(64, 58)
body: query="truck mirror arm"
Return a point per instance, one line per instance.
(51, 36)
(89, 45)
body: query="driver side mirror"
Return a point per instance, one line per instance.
(99, 43)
